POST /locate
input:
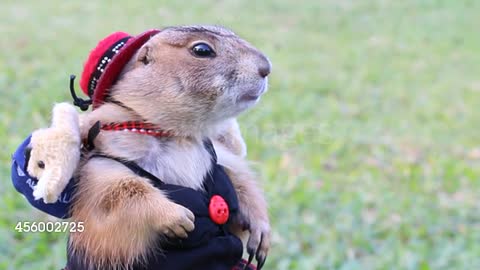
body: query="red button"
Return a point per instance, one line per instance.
(218, 210)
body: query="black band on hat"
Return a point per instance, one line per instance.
(103, 62)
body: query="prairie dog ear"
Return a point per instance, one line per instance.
(145, 54)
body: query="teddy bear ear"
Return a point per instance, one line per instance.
(145, 54)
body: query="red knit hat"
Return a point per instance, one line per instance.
(107, 60)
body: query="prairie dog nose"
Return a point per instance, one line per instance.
(264, 71)
(264, 66)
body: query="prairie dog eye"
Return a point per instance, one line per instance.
(203, 50)
(41, 164)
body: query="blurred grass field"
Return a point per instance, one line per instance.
(367, 142)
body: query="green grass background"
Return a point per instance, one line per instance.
(366, 143)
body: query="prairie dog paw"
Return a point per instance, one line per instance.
(176, 221)
(259, 242)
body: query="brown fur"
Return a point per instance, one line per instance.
(192, 97)
(120, 212)
(253, 207)
(228, 134)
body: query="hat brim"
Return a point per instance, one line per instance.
(113, 69)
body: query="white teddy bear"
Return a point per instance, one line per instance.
(52, 170)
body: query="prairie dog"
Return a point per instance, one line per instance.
(191, 81)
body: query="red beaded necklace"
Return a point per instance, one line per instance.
(137, 127)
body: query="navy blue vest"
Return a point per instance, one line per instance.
(208, 246)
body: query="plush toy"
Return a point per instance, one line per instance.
(162, 182)
(54, 153)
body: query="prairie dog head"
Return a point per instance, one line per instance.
(189, 78)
